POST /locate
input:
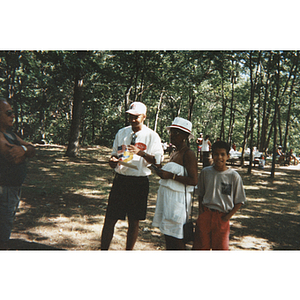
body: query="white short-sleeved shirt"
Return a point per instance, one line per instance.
(146, 140)
(221, 190)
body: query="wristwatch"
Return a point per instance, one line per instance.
(24, 147)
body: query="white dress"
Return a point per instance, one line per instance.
(170, 211)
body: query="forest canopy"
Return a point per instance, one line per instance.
(250, 98)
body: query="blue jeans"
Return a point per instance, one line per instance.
(9, 202)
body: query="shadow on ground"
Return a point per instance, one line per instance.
(64, 202)
(19, 244)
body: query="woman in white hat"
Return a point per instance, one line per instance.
(178, 177)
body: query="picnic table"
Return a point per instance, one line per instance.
(237, 155)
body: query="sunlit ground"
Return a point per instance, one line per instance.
(64, 201)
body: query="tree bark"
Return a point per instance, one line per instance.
(251, 115)
(191, 104)
(266, 113)
(290, 101)
(275, 119)
(224, 105)
(158, 110)
(73, 147)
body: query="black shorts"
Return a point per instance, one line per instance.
(128, 196)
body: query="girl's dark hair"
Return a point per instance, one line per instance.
(220, 145)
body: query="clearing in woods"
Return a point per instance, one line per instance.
(64, 201)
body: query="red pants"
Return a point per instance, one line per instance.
(211, 231)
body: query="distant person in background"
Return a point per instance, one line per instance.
(206, 147)
(267, 152)
(13, 153)
(262, 162)
(134, 148)
(292, 156)
(199, 145)
(233, 146)
(280, 155)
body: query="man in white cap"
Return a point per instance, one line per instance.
(134, 148)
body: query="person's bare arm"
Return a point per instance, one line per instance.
(30, 149)
(228, 216)
(135, 150)
(200, 199)
(13, 153)
(191, 165)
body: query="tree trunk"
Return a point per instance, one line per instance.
(258, 119)
(231, 120)
(246, 134)
(73, 146)
(275, 120)
(266, 114)
(126, 104)
(289, 113)
(290, 103)
(191, 104)
(158, 110)
(222, 130)
(42, 131)
(251, 116)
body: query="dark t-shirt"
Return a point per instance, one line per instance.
(12, 174)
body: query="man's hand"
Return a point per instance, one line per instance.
(16, 154)
(113, 161)
(226, 218)
(133, 149)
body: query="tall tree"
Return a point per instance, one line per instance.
(73, 146)
(275, 116)
(251, 112)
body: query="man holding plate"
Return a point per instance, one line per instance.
(135, 147)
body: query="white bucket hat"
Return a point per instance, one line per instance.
(182, 124)
(137, 108)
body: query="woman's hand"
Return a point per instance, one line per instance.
(164, 174)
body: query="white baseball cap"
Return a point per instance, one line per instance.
(137, 108)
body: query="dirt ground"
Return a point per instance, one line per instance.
(64, 201)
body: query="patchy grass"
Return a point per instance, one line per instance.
(64, 201)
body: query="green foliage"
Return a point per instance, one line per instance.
(212, 88)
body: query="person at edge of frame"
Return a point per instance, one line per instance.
(13, 154)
